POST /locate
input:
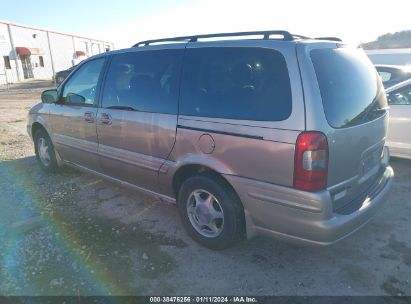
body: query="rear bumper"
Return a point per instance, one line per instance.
(300, 216)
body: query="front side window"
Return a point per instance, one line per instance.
(401, 96)
(81, 88)
(143, 81)
(236, 83)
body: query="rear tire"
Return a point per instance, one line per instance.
(45, 154)
(211, 212)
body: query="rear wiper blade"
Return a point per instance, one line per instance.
(381, 109)
(126, 108)
(372, 106)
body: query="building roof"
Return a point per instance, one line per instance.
(51, 31)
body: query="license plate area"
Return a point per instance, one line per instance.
(370, 163)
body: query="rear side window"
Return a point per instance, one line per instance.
(144, 81)
(236, 83)
(350, 88)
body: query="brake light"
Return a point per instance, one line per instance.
(311, 161)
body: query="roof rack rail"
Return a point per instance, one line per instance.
(301, 37)
(329, 38)
(266, 35)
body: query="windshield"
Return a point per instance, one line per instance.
(351, 91)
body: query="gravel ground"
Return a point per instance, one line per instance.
(74, 234)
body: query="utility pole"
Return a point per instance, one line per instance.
(74, 51)
(16, 57)
(51, 58)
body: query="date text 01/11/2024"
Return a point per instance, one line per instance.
(203, 299)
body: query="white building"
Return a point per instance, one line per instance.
(28, 53)
(390, 56)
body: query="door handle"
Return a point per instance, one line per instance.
(105, 119)
(89, 117)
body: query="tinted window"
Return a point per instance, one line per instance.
(82, 86)
(236, 83)
(401, 96)
(144, 81)
(401, 73)
(350, 89)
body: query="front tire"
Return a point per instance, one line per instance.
(210, 211)
(45, 154)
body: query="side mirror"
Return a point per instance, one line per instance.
(49, 96)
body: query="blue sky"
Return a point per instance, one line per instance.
(79, 15)
(126, 22)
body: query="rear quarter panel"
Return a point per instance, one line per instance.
(350, 147)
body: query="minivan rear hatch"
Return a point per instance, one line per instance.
(354, 104)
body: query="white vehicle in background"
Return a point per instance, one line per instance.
(399, 129)
(393, 74)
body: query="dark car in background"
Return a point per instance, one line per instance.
(61, 75)
(393, 74)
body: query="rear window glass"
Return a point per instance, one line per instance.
(236, 83)
(350, 88)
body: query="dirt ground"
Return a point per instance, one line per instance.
(74, 234)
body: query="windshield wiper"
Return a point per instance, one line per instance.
(126, 108)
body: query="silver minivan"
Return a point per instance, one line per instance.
(268, 133)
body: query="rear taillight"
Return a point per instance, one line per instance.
(311, 161)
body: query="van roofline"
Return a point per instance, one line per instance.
(171, 43)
